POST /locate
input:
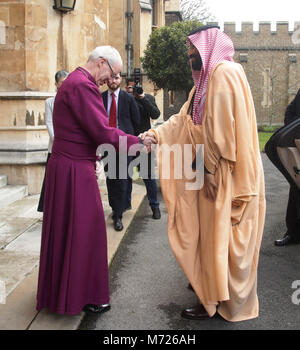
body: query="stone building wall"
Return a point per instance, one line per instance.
(35, 42)
(143, 22)
(271, 59)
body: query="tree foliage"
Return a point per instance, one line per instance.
(165, 59)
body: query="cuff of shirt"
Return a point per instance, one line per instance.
(140, 141)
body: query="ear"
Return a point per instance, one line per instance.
(100, 62)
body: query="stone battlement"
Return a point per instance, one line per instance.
(257, 28)
(262, 34)
(270, 54)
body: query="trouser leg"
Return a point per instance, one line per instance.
(151, 187)
(128, 193)
(293, 215)
(41, 200)
(117, 194)
(148, 175)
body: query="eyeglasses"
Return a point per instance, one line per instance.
(113, 75)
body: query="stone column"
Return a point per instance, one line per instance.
(35, 42)
(24, 75)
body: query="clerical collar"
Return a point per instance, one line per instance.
(87, 74)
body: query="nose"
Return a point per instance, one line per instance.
(192, 51)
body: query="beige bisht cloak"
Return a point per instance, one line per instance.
(217, 243)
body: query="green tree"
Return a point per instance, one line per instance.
(165, 59)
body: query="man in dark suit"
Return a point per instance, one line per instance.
(292, 235)
(123, 114)
(148, 110)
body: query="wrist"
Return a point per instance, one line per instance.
(140, 140)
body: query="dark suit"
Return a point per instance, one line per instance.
(293, 210)
(293, 110)
(128, 120)
(148, 110)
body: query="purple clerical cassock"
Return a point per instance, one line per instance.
(73, 261)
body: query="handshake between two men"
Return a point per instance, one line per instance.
(148, 139)
(210, 184)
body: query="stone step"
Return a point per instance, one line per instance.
(3, 180)
(12, 193)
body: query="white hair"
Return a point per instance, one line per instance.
(107, 52)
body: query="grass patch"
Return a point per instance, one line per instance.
(263, 139)
(268, 128)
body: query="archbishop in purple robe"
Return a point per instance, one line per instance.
(73, 262)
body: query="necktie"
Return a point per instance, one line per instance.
(113, 112)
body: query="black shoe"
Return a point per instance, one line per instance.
(118, 226)
(286, 240)
(190, 287)
(195, 313)
(156, 213)
(96, 308)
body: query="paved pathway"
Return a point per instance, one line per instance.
(148, 289)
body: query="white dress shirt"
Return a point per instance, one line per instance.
(49, 104)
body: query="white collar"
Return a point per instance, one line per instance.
(116, 92)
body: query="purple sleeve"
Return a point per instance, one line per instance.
(90, 112)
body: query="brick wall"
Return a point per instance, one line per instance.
(271, 61)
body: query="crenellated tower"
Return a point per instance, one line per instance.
(271, 59)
